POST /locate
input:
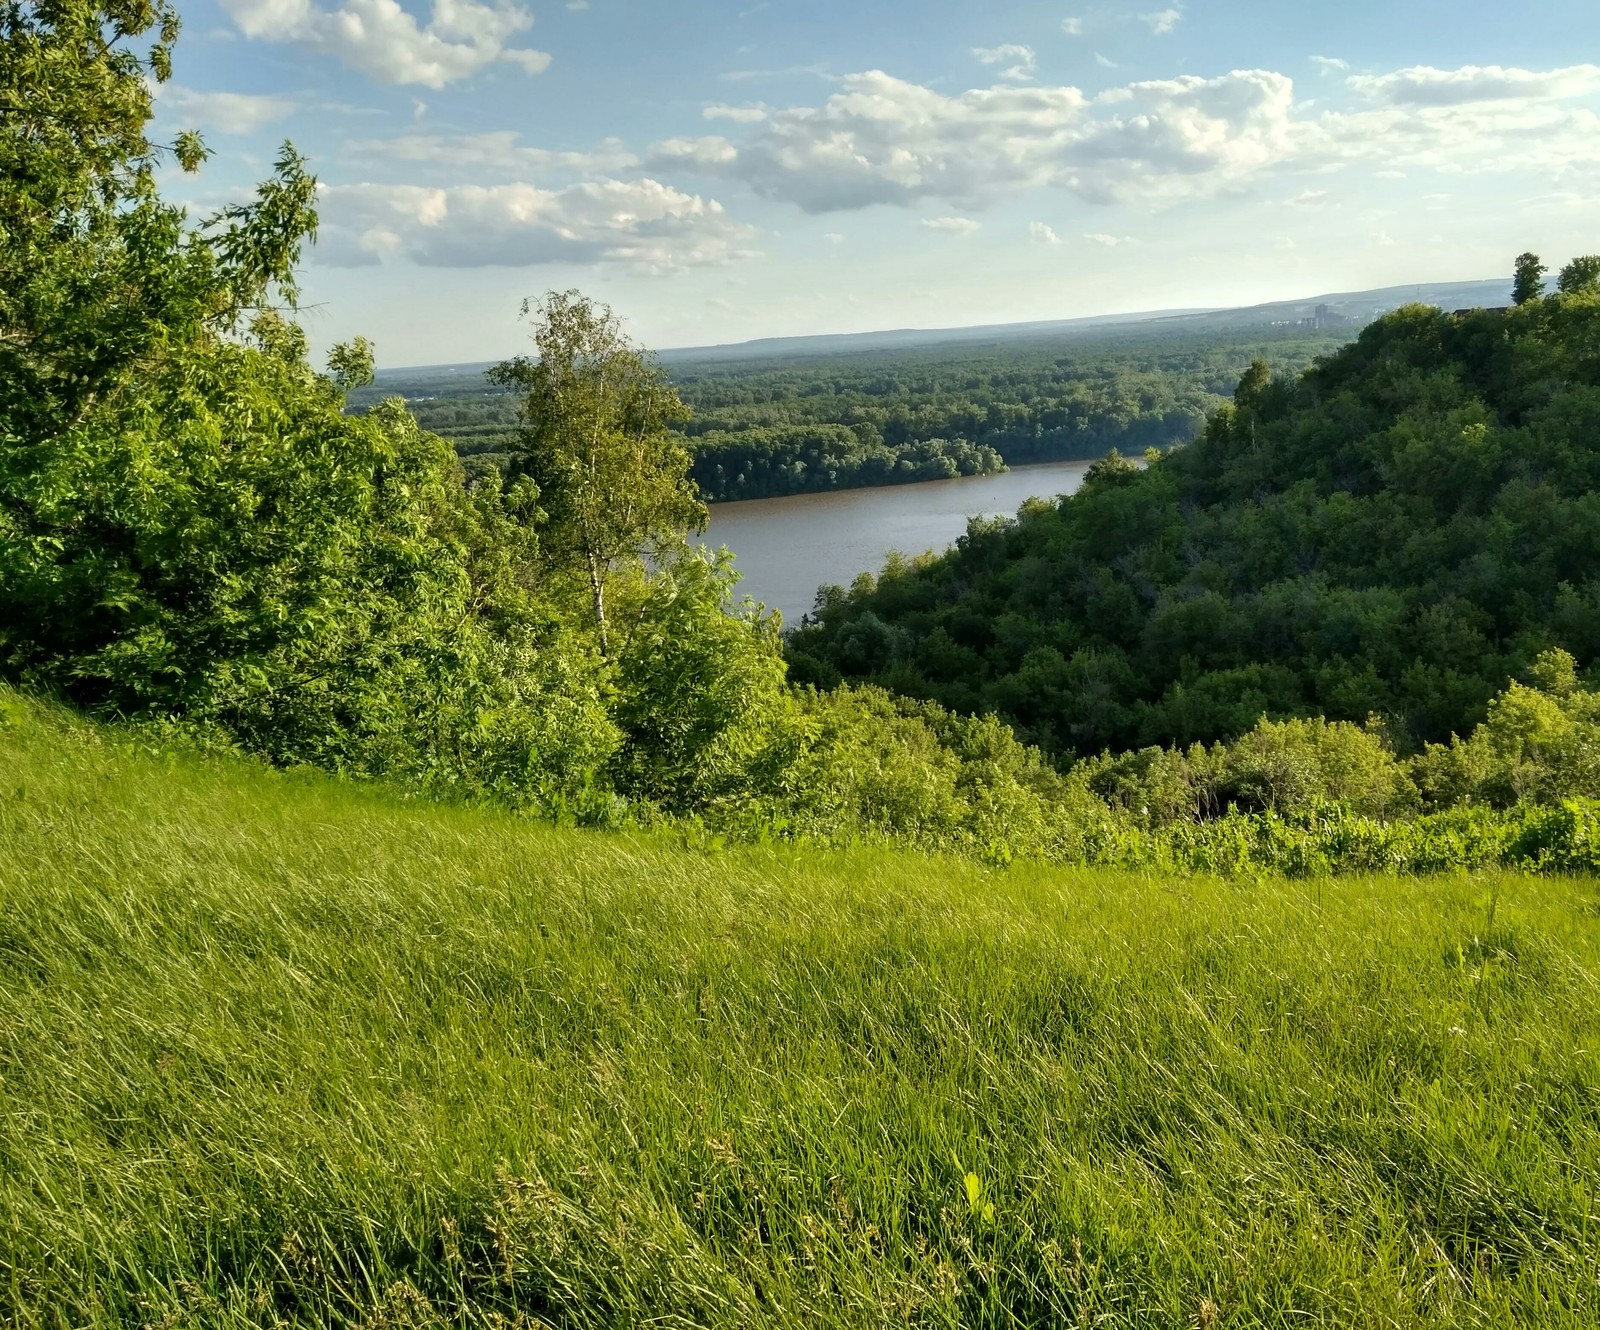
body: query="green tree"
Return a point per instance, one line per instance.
(1581, 275)
(596, 437)
(97, 273)
(190, 523)
(1528, 282)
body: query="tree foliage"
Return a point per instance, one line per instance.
(1397, 531)
(596, 439)
(802, 424)
(1581, 276)
(1528, 279)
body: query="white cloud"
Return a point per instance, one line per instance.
(498, 151)
(1149, 144)
(224, 112)
(709, 153)
(1042, 233)
(788, 71)
(961, 226)
(1162, 21)
(1474, 119)
(742, 115)
(1329, 64)
(1104, 61)
(1423, 85)
(1109, 241)
(883, 140)
(1073, 27)
(642, 223)
(381, 40)
(531, 61)
(1020, 61)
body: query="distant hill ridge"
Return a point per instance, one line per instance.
(1344, 307)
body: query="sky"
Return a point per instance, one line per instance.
(719, 170)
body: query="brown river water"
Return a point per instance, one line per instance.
(786, 548)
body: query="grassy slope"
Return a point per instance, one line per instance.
(276, 1050)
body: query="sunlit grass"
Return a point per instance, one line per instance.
(276, 1050)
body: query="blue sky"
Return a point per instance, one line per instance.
(725, 169)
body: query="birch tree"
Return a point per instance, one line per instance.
(596, 437)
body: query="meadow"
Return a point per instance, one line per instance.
(277, 1050)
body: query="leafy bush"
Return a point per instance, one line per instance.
(1538, 744)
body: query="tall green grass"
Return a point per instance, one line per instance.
(278, 1051)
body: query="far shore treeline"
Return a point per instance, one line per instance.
(1350, 624)
(774, 426)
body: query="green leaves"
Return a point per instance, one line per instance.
(596, 438)
(978, 1208)
(258, 244)
(350, 364)
(191, 151)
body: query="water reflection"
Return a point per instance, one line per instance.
(787, 548)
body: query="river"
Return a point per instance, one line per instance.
(786, 548)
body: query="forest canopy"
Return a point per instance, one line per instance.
(1393, 533)
(766, 427)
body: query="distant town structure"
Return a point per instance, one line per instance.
(1322, 316)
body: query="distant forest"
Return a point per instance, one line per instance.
(800, 424)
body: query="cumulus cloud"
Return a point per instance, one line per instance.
(1423, 85)
(641, 223)
(710, 153)
(961, 226)
(1473, 119)
(223, 112)
(1073, 27)
(1020, 61)
(1162, 21)
(1041, 233)
(381, 40)
(883, 140)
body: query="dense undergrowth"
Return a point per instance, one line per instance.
(280, 1050)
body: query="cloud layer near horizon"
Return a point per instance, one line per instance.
(880, 140)
(642, 223)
